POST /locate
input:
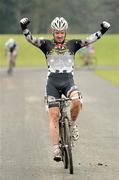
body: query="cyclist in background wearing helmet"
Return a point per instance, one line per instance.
(60, 54)
(11, 52)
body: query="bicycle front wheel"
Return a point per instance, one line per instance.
(63, 145)
(68, 144)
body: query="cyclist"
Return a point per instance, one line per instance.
(59, 54)
(87, 53)
(11, 51)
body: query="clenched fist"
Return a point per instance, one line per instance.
(24, 22)
(104, 26)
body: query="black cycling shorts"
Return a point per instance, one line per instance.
(58, 84)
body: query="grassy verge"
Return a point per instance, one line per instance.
(28, 56)
(112, 76)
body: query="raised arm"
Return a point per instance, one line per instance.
(33, 40)
(97, 35)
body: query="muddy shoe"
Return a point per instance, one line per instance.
(57, 155)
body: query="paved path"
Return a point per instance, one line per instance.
(25, 149)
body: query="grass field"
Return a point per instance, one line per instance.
(107, 53)
(111, 75)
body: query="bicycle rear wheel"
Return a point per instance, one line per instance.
(68, 147)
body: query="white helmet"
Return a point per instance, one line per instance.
(11, 40)
(59, 23)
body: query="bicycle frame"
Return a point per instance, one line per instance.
(65, 132)
(65, 137)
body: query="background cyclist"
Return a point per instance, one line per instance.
(87, 53)
(60, 55)
(11, 49)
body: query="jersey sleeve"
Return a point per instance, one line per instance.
(33, 40)
(91, 39)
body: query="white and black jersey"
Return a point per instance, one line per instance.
(60, 57)
(60, 61)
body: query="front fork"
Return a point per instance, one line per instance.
(62, 143)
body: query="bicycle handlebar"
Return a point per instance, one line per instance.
(65, 99)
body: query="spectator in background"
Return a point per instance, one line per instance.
(11, 49)
(87, 53)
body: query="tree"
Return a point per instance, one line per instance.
(83, 16)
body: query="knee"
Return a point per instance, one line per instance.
(76, 104)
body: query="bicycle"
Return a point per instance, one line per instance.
(90, 62)
(86, 60)
(65, 134)
(11, 66)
